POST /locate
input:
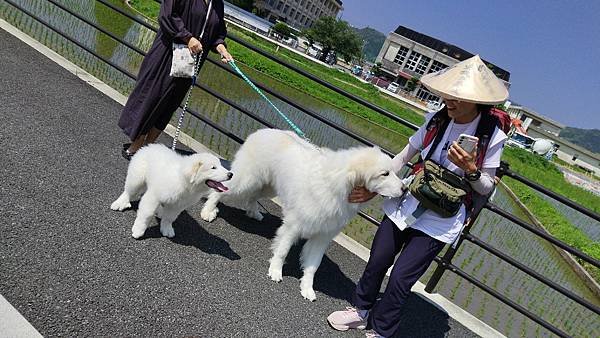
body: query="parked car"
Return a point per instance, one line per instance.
(434, 106)
(314, 51)
(540, 146)
(291, 41)
(520, 141)
(379, 82)
(393, 87)
(331, 58)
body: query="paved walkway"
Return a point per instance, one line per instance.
(69, 265)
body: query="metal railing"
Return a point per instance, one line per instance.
(444, 262)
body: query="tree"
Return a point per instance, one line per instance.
(376, 69)
(282, 29)
(260, 8)
(337, 35)
(412, 83)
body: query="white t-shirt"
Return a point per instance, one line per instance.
(442, 229)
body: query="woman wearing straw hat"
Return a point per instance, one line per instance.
(469, 90)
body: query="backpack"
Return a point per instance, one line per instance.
(436, 127)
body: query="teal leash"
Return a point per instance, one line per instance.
(285, 118)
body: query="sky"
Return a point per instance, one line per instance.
(551, 48)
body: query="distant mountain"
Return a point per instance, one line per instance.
(587, 138)
(374, 39)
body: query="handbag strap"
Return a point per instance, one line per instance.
(189, 92)
(205, 19)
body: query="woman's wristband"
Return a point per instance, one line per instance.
(473, 176)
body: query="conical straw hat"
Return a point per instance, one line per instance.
(469, 80)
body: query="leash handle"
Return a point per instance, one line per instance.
(285, 118)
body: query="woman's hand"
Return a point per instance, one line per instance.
(462, 159)
(225, 56)
(360, 195)
(194, 46)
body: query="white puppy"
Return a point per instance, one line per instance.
(168, 184)
(313, 186)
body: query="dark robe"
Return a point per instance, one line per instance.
(156, 95)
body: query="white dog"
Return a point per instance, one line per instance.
(170, 183)
(313, 186)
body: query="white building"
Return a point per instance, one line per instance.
(299, 14)
(528, 117)
(406, 54)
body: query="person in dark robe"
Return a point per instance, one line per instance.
(157, 95)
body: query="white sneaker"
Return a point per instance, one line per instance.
(350, 318)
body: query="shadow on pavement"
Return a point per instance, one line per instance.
(189, 232)
(329, 279)
(414, 324)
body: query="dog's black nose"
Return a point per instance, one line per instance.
(229, 175)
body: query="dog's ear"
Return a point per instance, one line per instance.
(194, 171)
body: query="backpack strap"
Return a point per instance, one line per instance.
(485, 129)
(435, 131)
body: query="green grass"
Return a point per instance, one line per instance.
(545, 173)
(341, 80)
(149, 8)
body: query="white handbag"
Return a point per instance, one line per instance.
(184, 63)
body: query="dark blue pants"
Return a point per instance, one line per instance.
(418, 251)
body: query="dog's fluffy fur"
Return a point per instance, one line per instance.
(313, 186)
(168, 183)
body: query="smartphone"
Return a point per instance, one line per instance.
(467, 142)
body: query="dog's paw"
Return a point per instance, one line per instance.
(137, 232)
(120, 204)
(309, 293)
(275, 274)
(209, 215)
(255, 215)
(167, 231)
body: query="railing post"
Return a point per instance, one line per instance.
(443, 265)
(447, 258)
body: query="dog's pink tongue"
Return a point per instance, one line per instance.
(218, 186)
